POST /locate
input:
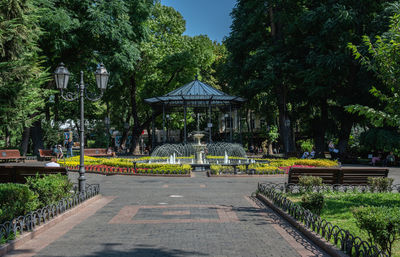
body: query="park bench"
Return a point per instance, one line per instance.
(18, 174)
(11, 155)
(97, 152)
(45, 154)
(338, 175)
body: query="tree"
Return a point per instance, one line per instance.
(21, 73)
(382, 58)
(297, 52)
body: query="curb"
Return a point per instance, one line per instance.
(12, 245)
(244, 176)
(314, 237)
(132, 174)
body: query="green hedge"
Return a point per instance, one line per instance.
(16, 200)
(51, 188)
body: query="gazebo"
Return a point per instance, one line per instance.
(195, 94)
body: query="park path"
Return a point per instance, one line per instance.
(154, 216)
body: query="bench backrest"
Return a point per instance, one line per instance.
(18, 174)
(360, 175)
(337, 175)
(96, 151)
(45, 152)
(328, 175)
(10, 153)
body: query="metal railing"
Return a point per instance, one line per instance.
(343, 239)
(26, 223)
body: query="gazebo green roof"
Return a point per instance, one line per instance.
(197, 94)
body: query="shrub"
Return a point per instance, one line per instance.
(16, 200)
(51, 188)
(308, 182)
(380, 184)
(381, 223)
(313, 202)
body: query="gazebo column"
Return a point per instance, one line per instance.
(163, 122)
(153, 132)
(240, 125)
(184, 127)
(209, 125)
(230, 124)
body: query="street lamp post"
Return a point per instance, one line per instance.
(61, 75)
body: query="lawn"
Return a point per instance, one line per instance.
(338, 206)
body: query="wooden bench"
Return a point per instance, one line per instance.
(18, 174)
(45, 154)
(98, 152)
(11, 155)
(338, 175)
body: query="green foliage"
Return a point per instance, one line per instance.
(51, 134)
(21, 74)
(380, 139)
(381, 223)
(16, 200)
(382, 59)
(380, 184)
(308, 182)
(306, 145)
(51, 188)
(313, 202)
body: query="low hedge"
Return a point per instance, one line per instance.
(16, 200)
(20, 199)
(50, 189)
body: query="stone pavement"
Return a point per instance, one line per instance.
(158, 216)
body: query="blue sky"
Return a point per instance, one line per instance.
(207, 17)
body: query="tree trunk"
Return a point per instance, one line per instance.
(7, 137)
(37, 136)
(25, 140)
(320, 129)
(125, 132)
(284, 121)
(344, 133)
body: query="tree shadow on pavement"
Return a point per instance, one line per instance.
(143, 251)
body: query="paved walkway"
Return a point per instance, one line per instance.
(154, 216)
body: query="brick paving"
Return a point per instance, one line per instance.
(198, 216)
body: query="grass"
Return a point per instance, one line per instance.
(338, 209)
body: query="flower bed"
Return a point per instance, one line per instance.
(125, 166)
(273, 166)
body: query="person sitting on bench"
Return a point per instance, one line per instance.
(52, 163)
(389, 160)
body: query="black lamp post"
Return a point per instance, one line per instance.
(61, 75)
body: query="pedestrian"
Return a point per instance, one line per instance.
(69, 147)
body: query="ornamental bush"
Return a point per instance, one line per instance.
(380, 184)
(308, 182)
(51, 188)
(381, 223)
(313, 202)
(16, 200)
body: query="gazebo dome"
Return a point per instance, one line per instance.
(197, 94)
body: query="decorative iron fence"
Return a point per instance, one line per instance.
(343, 239)
(296, 188)
(26, 223)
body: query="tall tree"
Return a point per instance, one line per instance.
(21, 74)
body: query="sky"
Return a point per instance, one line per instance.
(206, 17)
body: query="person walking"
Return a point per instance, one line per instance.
(69, 147)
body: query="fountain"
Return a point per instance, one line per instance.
(199, 147)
